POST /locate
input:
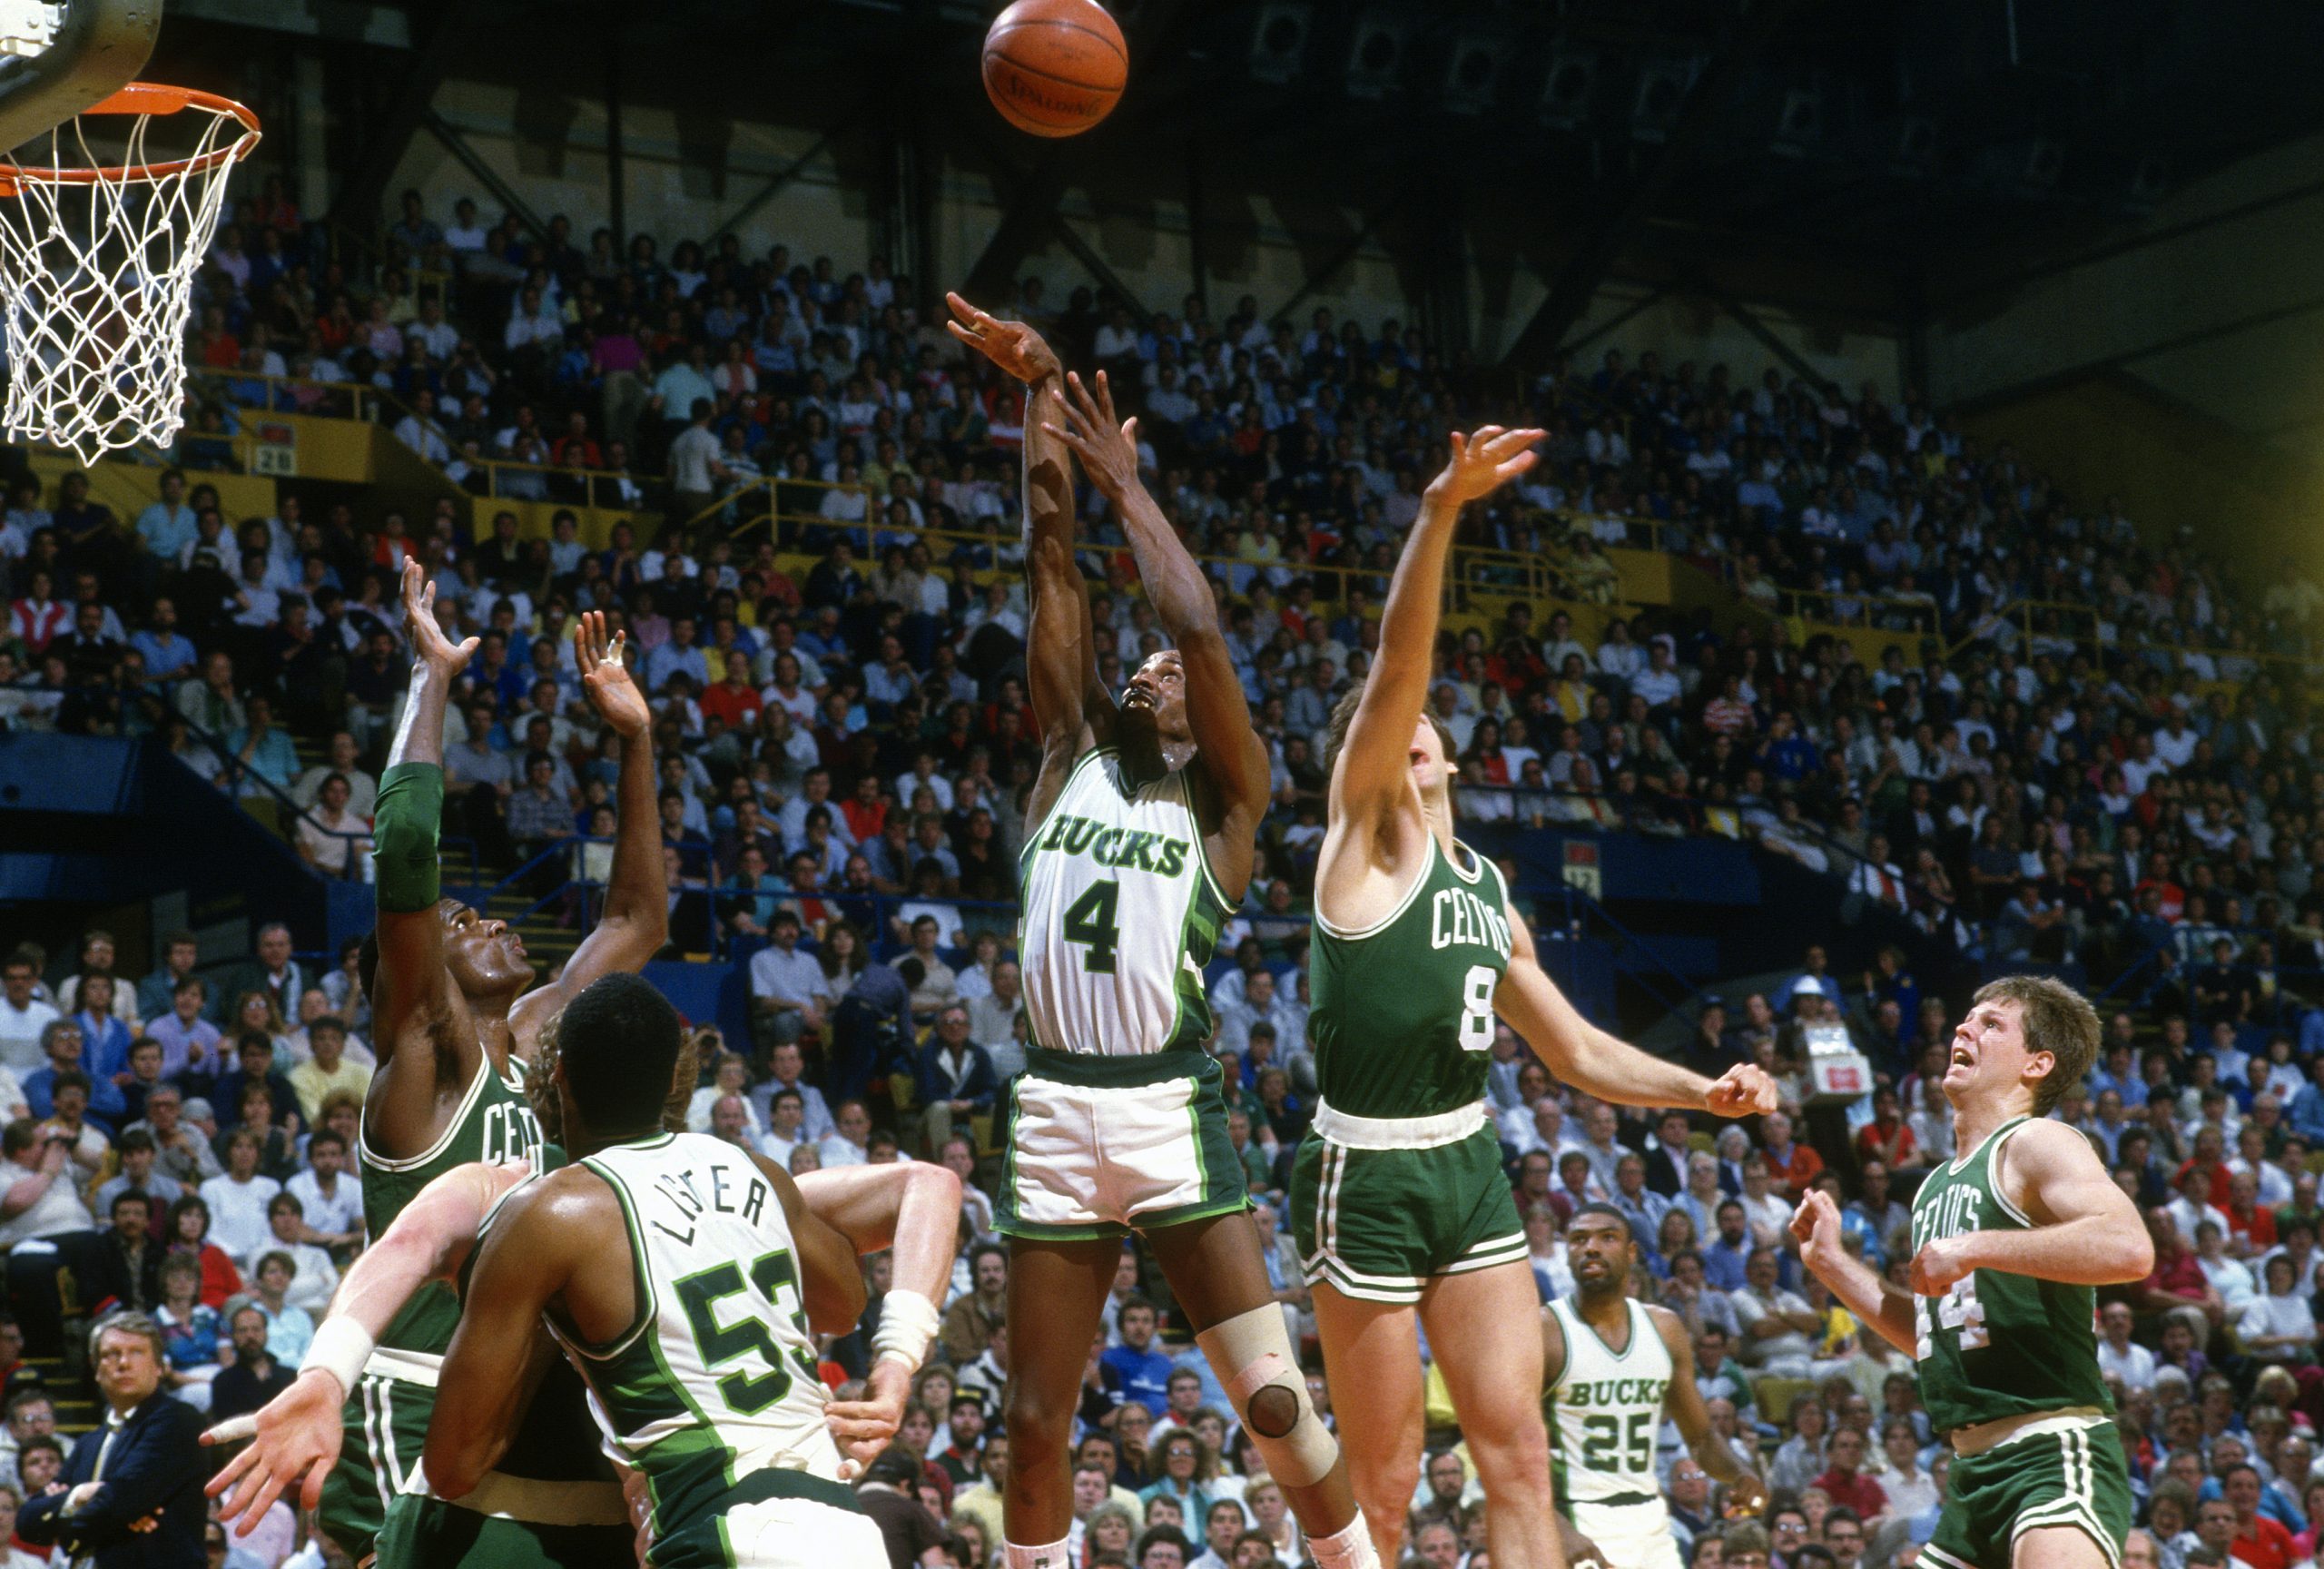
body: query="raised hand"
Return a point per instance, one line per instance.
(1484, 462)
(1108, 449)
(606, 680)
(296, 1434)
(1011, 345)
(863, 1427)
(1743, 1090)
(428, 643)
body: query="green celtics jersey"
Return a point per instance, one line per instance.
(716, 1378)
(1402, 1020)
(1997, 1344)
(494, 1122)
(1121, 914)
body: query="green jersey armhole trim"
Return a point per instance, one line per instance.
(1454, 861)
(649, 1309)
(1993, 1171)
(1033, 830)
(1420, 879)
(367, 1156)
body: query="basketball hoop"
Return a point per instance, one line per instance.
(97, 262)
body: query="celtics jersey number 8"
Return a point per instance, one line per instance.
(1121, 914)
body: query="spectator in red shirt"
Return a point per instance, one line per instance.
(2178, 1282)
(733, 699)
(1846, 1482)
(2262, 1542)
(1793, 1166)
(1887, 1138)
(2246, 1215)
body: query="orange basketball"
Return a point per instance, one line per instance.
(1054, 67)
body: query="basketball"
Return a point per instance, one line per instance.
(1054, 67)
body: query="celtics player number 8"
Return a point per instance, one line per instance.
(1476, 1008)
(1958, 1308)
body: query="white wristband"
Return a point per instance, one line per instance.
(908, 1322)
(341, 1348)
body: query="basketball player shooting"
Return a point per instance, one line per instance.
(1137, 846)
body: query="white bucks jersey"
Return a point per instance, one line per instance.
(1604, 1411)
(716, 1377)
(1121, 914)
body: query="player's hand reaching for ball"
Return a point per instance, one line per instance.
(1108, 449)
(1011, 345)
(606, 678)
(1743, 1090)
(429, 646)
(1485, 460)
(863, 1427)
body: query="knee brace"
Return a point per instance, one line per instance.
(1251, 1355)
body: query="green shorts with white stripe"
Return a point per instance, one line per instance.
(1380, 1224)
(385, 1428)
(2075, 1478)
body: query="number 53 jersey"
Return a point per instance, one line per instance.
(1997, 1344)
(1121, 914)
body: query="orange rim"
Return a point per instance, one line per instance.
(147, 98)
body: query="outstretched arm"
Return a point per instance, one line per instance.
(297, 1432)
(636, 921)
(1711, 1452)
(413, 996)
(1062, 657)
(914, 1211)
(543, 1236)
(1217, 709)
(1815, 1226)
(1580, 1054)
(1372, 768)
(2086, 1231)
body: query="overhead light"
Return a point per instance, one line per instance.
(1279, 40)
(1662, 87)
(1376, 57)
(1567, 91)
(1473, 74)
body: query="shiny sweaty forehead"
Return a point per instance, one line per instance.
(1163, 662)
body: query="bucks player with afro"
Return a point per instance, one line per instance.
(1612, 1367)
(1398, 1203)
(456, 1016)
(1138, 843)
(2010, 1239)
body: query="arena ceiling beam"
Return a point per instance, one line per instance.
(1327, 268)
(783, 177)
(1704, 112)
(1702, 287)
(439, 30)
(486, 175)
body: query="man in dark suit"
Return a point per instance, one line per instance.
(131, 1273)
(131, 1495)
(1666, 1156)
(256, 1377)
(953, 1077)
(272, 972)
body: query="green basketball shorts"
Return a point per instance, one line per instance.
(386, 1428)
(424, 1533)
(1103, 1146)
(1381, 1207)
(2063, 1471)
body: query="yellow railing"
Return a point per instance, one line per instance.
(2077, 624)
(1882, 612)
(297, 395)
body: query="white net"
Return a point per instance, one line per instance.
(98, 250)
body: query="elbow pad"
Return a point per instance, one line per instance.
(403, 835)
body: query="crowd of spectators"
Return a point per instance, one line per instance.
(2079, 747)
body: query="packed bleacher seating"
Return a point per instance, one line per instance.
(2078, 748)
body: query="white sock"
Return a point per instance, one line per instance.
(1052, 1557)
(1349, 1548)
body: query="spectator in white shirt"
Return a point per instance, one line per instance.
(2119, 1356)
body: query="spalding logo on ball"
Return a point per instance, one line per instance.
(1054, 67)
